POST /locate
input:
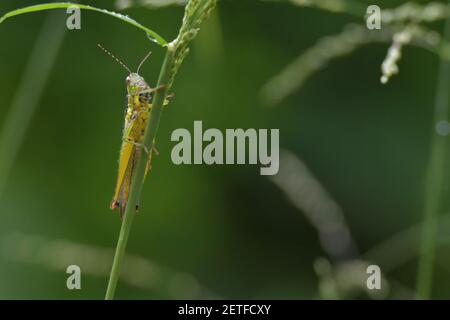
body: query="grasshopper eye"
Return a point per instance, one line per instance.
(127, 80)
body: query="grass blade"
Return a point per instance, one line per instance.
(61, 5)
(434, 180)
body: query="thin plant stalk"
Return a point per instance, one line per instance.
(28, 94)
(434, 179)
(196, 12)
(137, 180)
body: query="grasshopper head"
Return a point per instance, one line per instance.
(135, 83)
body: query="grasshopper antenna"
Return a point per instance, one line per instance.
(142, 62)
(114, 57)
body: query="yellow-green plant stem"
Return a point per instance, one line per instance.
(434, 180)
(138, 176)
(196, 11)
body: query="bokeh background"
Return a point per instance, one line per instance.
(349, 193)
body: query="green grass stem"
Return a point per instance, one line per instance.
(434, 180)
(196, 12)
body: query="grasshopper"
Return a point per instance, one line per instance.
(139, 95)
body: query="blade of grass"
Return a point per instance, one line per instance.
(434, 179)
(62, 5)
(28, 94)
(152, 4)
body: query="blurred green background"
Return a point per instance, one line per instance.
(213, 231)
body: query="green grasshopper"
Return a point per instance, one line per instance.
(136, 117)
